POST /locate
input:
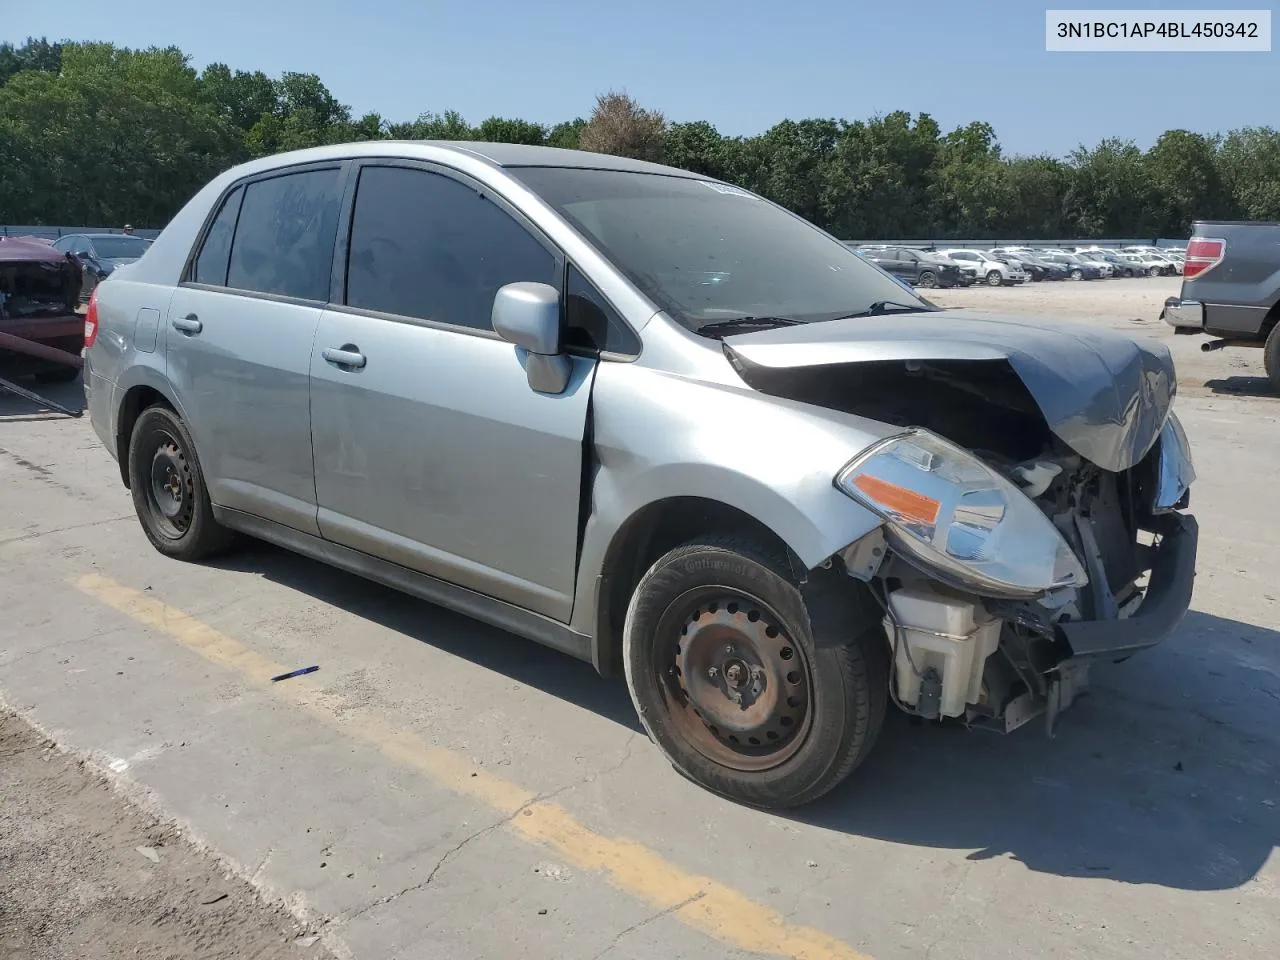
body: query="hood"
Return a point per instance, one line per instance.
(120, 261)
(1103, 394)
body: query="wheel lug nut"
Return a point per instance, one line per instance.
(712, 673)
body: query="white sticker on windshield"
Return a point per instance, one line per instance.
(728, 190)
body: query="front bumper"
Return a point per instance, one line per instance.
(1173, 574)
(1183, 314)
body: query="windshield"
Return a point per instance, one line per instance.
(120, 248)
(706, 252)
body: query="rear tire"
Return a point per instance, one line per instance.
(1271, 358)
(1154, 272)
(169, 493)
(732, 685)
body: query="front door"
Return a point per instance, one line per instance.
(238, 342)
(431, 450)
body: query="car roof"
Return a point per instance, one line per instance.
(507, 155)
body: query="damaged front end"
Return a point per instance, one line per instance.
(1032, 503)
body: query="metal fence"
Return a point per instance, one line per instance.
(53, 233)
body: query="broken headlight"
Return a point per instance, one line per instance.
(950, 512)
(1177, 472)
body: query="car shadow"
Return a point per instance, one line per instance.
(519, 659)
(1243, 387)
(1166, 773)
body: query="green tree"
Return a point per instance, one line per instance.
(567, 135)
(696, 146)
(241, 98)
(1249, 162)
(32, 55)
(502, 130)
(1111, 194)
(1183, 168)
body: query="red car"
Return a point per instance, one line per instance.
(39, 293)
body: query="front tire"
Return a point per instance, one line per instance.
(169, 493)
(927, 279)
(994, 278)
(1077, 274)
(731, 683)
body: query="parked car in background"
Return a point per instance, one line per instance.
(968, 269)
(1034, 270)
(918, 267)
(39, 293)
(1076, 268)
(1099, 260)
(1172, 259)
(101, 253)
(1096, 254)
(995, 272)
(1231, 289)
(1155, 266)
(538, 386)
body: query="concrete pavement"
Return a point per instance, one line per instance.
(441, 789)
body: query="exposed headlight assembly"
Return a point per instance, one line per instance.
(1177, 472)
(950, 512)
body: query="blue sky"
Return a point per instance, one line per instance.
(741, 65)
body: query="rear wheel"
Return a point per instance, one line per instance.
(1271, 357)
(169, 493)
(733, 686)
(1154, 271)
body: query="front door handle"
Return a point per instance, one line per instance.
(189, 324)
(348, 355)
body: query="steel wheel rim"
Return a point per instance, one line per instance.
(170, 487)
(736, 687)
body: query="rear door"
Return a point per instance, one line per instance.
(238, 339)
(431, 450)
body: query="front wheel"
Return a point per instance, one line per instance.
(995, 278)
(1077, 274)
(927, 279)
(169, 493)
(733, 686)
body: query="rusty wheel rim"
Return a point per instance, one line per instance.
(737, 687)
(171, 488)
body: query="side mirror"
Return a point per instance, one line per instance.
(528, 315)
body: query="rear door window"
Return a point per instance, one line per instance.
(284, 238)
(427, 246)
(215, 253)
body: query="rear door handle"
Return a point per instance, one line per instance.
(348, 355)
(188, 324)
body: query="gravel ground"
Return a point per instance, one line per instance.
(86, 875)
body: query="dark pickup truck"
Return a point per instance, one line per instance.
(1231, 288)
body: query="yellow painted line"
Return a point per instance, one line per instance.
(701, 902)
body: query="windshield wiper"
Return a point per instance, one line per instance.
(881, 307)
(739, 323)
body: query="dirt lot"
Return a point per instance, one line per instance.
(87, 875)
(440, 789)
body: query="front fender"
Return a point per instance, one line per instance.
(658, 436)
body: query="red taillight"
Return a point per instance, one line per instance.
(1203, 253)
(91, 320)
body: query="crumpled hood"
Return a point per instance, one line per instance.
(1104, 394)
